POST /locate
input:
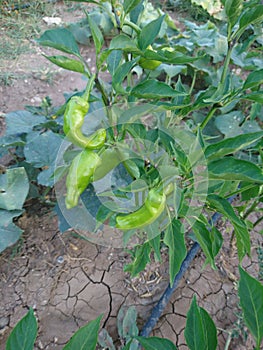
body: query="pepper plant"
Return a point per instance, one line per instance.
(154, 154)
(183, 138)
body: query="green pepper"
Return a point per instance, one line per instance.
(146, 63)
(80, 175)
(97, 139)
(74, 117)
(152, 208)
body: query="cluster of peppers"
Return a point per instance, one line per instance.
(83, 167)
(84, 164)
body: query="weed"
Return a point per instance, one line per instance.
(6, 78)
(20, 26)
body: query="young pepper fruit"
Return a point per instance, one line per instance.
(152, 208)
(74, 117)
(80, 175)
(146, 63)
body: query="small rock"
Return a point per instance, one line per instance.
(4, 322)
(40, 345)
(52, 20)
(60, 259)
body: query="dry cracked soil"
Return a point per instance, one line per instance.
(69, 281)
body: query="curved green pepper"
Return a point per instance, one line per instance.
(153, 207)
(80, 175)
(74, 117)
(97, 139)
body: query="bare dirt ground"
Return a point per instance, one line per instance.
(69, 281)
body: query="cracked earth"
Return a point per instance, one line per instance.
(69, 281)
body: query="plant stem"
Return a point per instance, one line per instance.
(250, 209)
(95, 78)
(89, 87)
(258, 221)
(226, 63)
(228, 341)
(193, 82)
(132, 25)
(100, 87)
(208, 117)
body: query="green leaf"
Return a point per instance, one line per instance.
(60, 39)
(200, 331)
(235, 169)
(228, 124)
(174, 57)
(14, 187)
(174, 239)
(254, 96)
(86, 337)
(129, 5)
(222, 92)
(255, 79)
(105, 340)
(46, 177)
(127, 346)
(252, 15)
(222, 206)
(231, 145)
(149, 33)
(9, 232)
(250, 292)
(140, 261)
(205, 240)
(154, 89)
(135, 13)
(67, 63)
(125, 43)
(156, 246)
(129, 323)
(42, 150)
(122, 72)
(96, 35)
(251, 192)
(114, 60)
(104, 54)
(135, 112)
(19, 122)
(210, 331)
(7, 216)
(81, 31)
(155, 343)
(120, 318)
(9, 235)
(217, 240)
(24, 334)
(194, 333)
(233, 10)
(103, 214)
(10, 141)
